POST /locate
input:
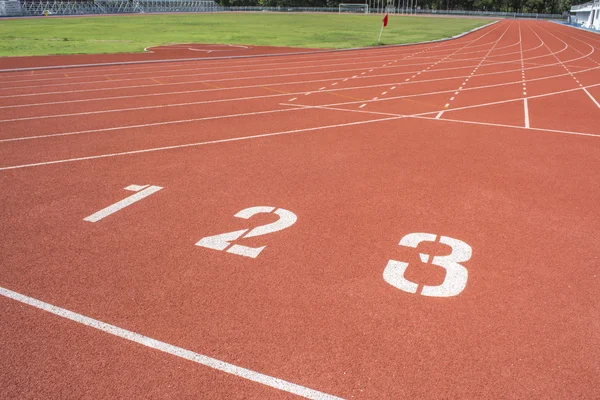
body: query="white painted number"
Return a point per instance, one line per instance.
(456, 275)
(223, 240)
(142, 192)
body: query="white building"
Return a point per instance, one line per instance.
(587, 15)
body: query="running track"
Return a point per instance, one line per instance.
(480, 153)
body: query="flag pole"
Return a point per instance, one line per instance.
(383, 25)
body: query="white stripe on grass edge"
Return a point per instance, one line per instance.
(171, 349)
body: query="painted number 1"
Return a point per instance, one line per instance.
(456, 274)
(223, 241)
(142, 191)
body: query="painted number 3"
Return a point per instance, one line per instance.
(223, 240)
(456, 275)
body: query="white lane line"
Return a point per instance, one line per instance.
(293, 98)
(526, 112)
(276, 111)
(362, 105)
(425, 117)
(439, 115)
(173, 350)
(591, 97)
(302, 59)
(120, 88)
(214, 89)
(196, 144)
(113, 208)
(116, 128)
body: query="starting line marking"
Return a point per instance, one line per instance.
(180, 352)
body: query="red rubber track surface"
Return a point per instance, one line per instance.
(492, 139)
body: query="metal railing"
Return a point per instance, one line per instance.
(70, 7)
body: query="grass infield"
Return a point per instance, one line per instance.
(132, 33)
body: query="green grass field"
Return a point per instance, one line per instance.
(132, 33)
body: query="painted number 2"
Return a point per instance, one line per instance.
(223, 240)
(456, 275)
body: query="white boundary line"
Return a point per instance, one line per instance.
(196, 144)
(176, 351)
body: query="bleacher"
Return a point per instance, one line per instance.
(586, 15)
(10, 8)
(80, 7)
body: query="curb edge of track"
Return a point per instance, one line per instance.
(240, 57)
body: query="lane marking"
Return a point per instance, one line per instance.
(182, 121)
(196, 144)
(126, 202)
(425, 117)
(302, 58)
(168, 76)
(214, 87)
(526, 112)
(439, 115)
(272, 111)
(173, 350)
(302, 107)
(591, 97)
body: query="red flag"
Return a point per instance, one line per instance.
(385, 20)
